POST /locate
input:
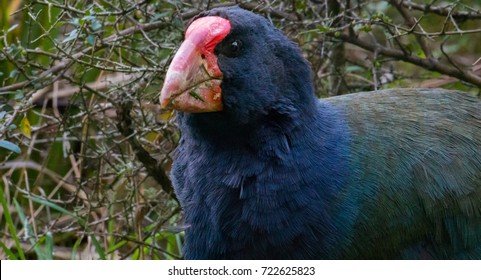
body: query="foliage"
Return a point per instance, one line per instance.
(84, 147)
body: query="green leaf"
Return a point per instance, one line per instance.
(10, 254)
(81, 221)
(75, 21)
(10, 146)
(323, 29)
(71, 36)
(26, 128)
(162, 15)
(19, 95)
(11, 226)
(421, 54)
(75, 248)
(354, 68)
(90, 39)
(96, 25)
(13, 73)
(49, 246)
(115, 247)
(28, 228)
(365, 28)
(89, 18)
(98, 247)
(51, 205)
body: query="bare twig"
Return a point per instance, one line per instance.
(12, 165)
(154, 168)
(411, 21)
(442, 11)
(427, 63)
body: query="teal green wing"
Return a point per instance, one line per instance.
(416, 173)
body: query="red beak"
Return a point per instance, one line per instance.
(192, 83)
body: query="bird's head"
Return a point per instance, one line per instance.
(236, 62)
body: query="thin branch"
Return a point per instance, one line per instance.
(411, 21)
(154, 168)
(69, 8)
(259, 8)
(13, 165)
(442, 11)
(67, 62)
(427, 63)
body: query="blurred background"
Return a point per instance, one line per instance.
(85, 150)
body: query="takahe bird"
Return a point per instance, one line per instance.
(265, 170)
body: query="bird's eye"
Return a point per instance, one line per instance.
(233, 48)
